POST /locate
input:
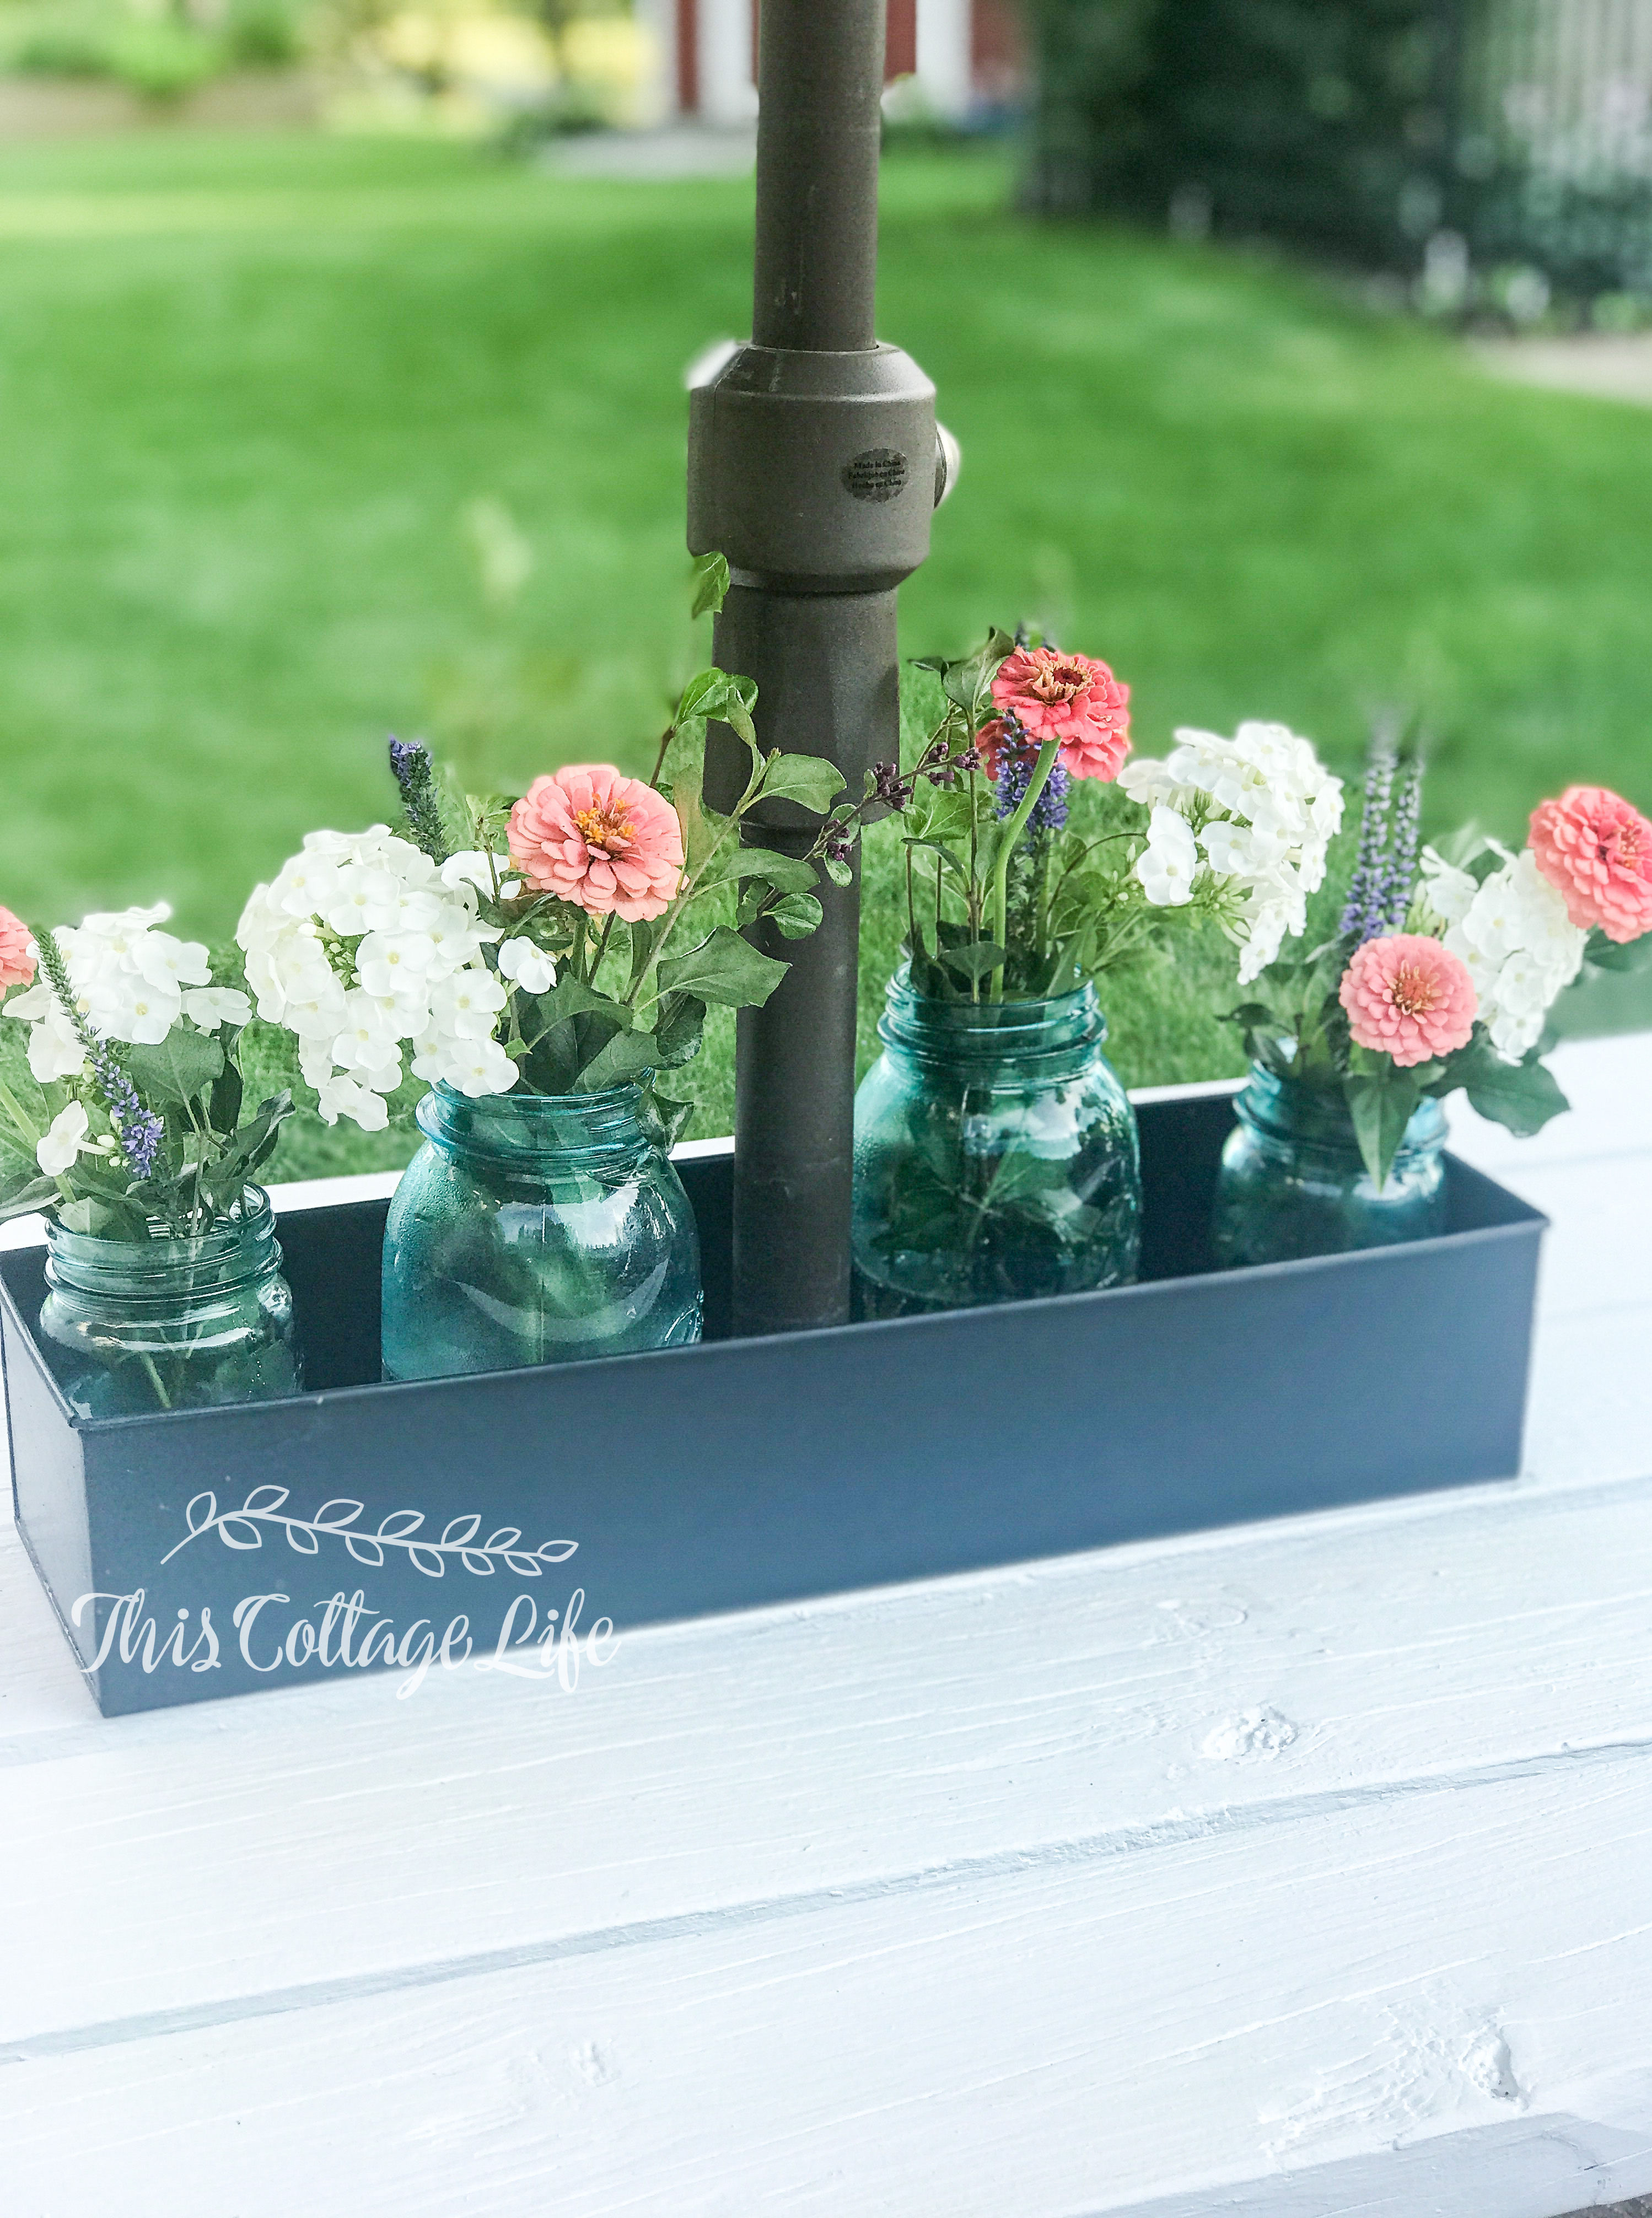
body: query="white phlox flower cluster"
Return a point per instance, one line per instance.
(132, 983)
(1514, 937)
(362, 944)
(1264, 810)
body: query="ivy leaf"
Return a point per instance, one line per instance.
(809, 780)
(724, 969)
(623, 1058)
(178, 1069)
(710, 585)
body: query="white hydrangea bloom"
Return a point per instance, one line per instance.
(1169, 863)
(361, 944)
(1272, 810)
(1520, 948)
(131, 981)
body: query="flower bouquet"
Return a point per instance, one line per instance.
(996, 1154)
(164, 1273)
(1438, 975)
(540, 961)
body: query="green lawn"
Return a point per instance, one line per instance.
(248, 388)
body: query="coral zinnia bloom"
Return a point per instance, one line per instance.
(1069, 697)
(16, 962)
(1595, 849)
(609, 844)
(1409, 997)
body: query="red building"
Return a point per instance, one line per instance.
(958, 57)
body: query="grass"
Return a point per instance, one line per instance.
(249, 388)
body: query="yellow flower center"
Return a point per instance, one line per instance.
(604, 831)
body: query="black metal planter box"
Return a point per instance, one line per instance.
(747, 1471)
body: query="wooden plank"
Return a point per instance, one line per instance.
(1076, 1709)
(1149, 2031)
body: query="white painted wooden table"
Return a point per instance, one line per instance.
(1301, 1870)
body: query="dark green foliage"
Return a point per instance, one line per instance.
(1356, 128)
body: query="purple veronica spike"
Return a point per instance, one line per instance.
(138, 1131)
(1365, 912)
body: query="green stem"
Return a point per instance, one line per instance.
(28, 1130)
(1010, 840)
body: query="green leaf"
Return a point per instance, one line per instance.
(944, 855)
(724, 969)
(700, 830)
(716, 697)
(786, 874)
(796, 915)
(976, 960)
(678, 1030)
(710, 585)
(809, 780)
(22, 1199)
(964, 682)
(1381, 1104)
(840, 873)
(1521, 1096)
(626, 1055)
(671, 1120)
(224, 1102)
(934, 814)
(571, 997)
(1602, 954)
(104, 1219)
(177, 1069)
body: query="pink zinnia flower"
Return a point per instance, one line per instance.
(609, 844)
(16, 959)
(1409, 997)
(1596, 852)
(1069, 697)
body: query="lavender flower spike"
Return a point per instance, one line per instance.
(139, 1132)
(1365, 914)
(1401, 875)
(1048, 811)
(411, 767)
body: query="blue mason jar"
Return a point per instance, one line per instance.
(130, 1327)
(535, 1228)
(1293, 1182)
(996, 1156)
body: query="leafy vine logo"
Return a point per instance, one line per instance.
(244, 1528)
(343, 1631)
